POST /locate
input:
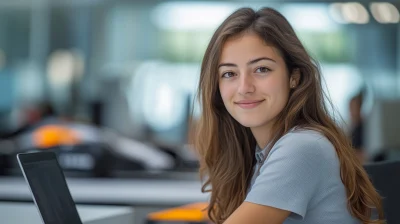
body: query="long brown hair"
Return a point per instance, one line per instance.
(226, 148)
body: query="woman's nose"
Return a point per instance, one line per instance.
(246, 84)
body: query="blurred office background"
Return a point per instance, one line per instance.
(111, 83)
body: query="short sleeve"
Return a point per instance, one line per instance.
(290, 176)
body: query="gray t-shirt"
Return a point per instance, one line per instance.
(301, 174)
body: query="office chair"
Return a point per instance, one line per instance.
(385, 176)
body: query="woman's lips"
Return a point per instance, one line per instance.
(248, 104)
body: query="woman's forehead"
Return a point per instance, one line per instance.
(247, 47)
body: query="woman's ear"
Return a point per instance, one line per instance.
(295, 78)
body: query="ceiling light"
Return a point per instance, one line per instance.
(354, 12)
(385, 12)
(351, 12)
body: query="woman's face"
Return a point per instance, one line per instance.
(253, 80)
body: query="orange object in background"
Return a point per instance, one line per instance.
(191, 213)
(52, 135)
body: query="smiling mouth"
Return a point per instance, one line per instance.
(249, 104)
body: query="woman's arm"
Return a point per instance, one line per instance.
(257, 214)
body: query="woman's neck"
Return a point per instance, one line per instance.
(262, 135)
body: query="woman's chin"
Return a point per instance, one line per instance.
(249, 123)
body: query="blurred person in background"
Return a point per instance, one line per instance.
(357, 127)
(35, 116)
(269, 151)
(7, 76)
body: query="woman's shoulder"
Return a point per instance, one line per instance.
(305, 142)
(303, 135)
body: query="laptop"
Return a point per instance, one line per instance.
(49, 188)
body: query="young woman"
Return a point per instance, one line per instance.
(269, 150)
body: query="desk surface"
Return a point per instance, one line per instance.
(10, 213)
(115, 191)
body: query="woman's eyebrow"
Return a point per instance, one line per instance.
(248, 63)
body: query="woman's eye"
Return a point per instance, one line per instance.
(262, 70)
(228, 74)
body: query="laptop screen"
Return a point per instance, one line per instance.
(49, 188)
